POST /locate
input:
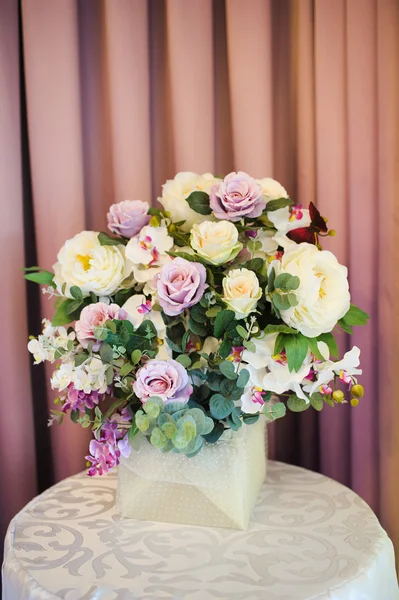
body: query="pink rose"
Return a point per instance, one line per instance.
(95, 315)
(180, 284)
(166, 379)
(127, 218)
(237, 196)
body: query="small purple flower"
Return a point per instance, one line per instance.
(180, 284)
(237, 196)
(79, 400)
(166, 379)
(127, 218)
(103, 457)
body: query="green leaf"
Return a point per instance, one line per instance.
(73, 306)
(215, 434)
(199, 202)
(111, 325)
(184, 360)
(80, 359)
(213, 311)
(243, 378)
(292, 299)
(242, 332)
(225, 348)
(74, 414)
(220, 406)
(136, 356)
(76, 293)
(198, 314)
(355, 316)
(189, 257)
(126, 369)
(214, 380)
(279, 343)
(106, 240)
(296, 347)
(286, 282)
(229, 389)
(280, 329)
(197, 328)
(222, 321)
(250, 419)
(249, 345)
(42, 277)
(106, 353)
(208, 426)
(199, 417)
(312, 342)
(271, 280)
(277, 204)
(281, 302)
(185, 340)
(316, 400)
(331, 342)
(173, 346)
(62, 316)
(227, 369)
(297, 404)
(274, 411)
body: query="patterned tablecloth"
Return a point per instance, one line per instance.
(309, 538)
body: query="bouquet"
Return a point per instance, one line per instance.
(196, 317)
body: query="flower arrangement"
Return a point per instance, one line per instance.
(196, 317)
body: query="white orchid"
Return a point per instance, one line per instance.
(147, 254)
(326, 371)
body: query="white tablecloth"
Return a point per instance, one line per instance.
(309, 538)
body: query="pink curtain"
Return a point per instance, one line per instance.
(122, 95)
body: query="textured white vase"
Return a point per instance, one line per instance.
(218, 487)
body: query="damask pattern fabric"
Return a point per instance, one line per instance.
(309, 538)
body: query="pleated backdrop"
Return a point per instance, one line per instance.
(103, 100)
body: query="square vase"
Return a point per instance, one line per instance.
(218, 487)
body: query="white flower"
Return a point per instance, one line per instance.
(241, 291)
(52, 338)
(217, 242)
(326, 371)
(285, 220)
(270, 372)
(323, 293)
(174, 194)
(147, 253)
(139, 309)
(268, 241)
(83, 262)
(40, 352)
(272, 189)
(62, 377)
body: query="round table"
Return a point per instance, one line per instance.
(309, 538)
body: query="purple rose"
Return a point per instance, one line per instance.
(127, 218)
(180, 284)
(166, 379)
(237, 196)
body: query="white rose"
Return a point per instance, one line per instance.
(272, 189)
(285, 220)
(241, 291)
(217, 242)
(323, 293)
(174, 194)
(270, 373)
(83, 262)
(147, 254)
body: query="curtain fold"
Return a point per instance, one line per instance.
(122, 95)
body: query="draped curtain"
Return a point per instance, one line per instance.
(103, 100)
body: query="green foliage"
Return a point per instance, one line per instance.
(273, 411)
(286, 282)
(297, 404)
(316, 400)
(243, 378)
(199, 202)
(41, 277)
(197, 328)
(174, 426)
(67, 311)
(184, 360)
(227, 369)
(222, 321)
(355, 316)
(273, 205)
(280, 329)
(106, 240)
(220, 406)
(296, 347)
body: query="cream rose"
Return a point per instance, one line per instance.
(217, 242)
(272, 189)
(83, 262)
(241, 292)
(323, 293)
(174, 194)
